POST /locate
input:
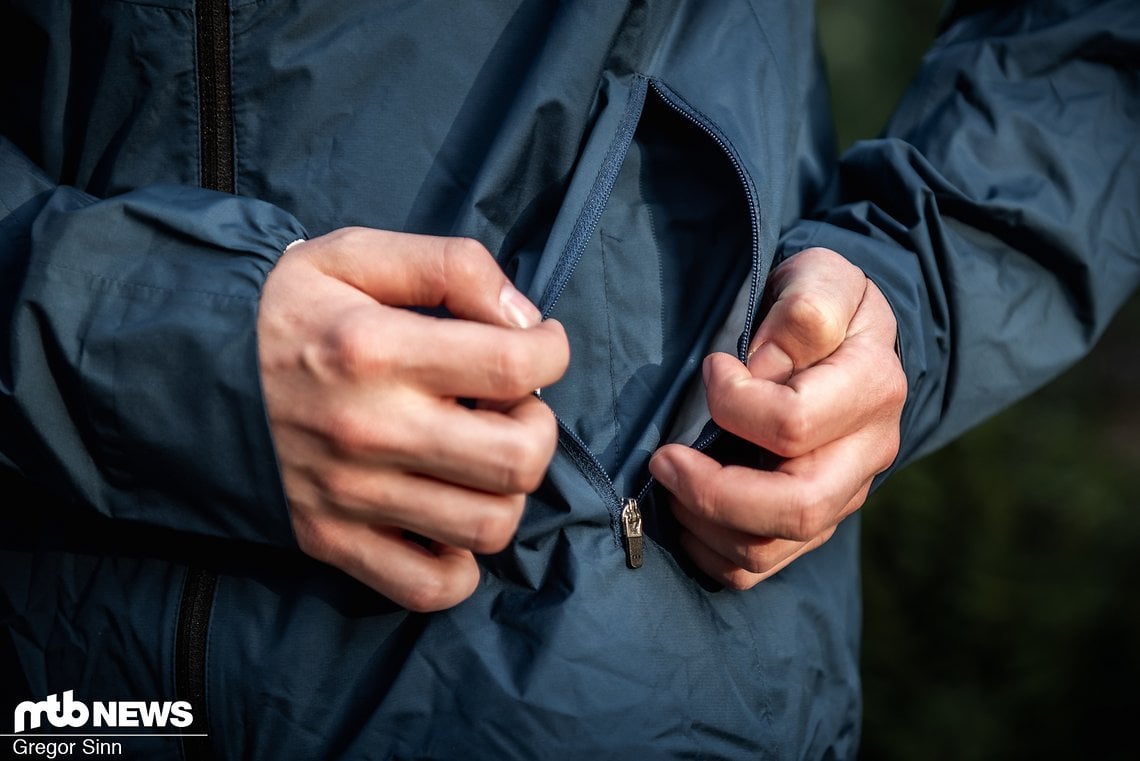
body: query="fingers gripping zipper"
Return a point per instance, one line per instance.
(625, 513)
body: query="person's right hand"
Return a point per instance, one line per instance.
(363, 399)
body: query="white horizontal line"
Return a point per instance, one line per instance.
(97, 734)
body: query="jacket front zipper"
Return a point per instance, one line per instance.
(215, 99)
(216, 161)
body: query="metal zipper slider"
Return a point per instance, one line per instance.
(631, 534)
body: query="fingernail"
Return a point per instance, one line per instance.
(664, 470)
(517, 308)
(768, 361)
(706, 369)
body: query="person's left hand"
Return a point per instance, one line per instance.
(823, 389)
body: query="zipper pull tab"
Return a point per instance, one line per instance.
(631, 534)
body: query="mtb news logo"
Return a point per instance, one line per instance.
(96, 728)
(69, 713)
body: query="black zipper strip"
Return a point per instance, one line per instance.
(216, 172)
(215, 106)
(190, 657)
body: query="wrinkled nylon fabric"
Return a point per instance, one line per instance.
(1016, 238)
(129, 398)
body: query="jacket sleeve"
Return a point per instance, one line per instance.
(1000, 210)
(129, 382)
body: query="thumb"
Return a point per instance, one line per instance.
(814, 295)
(409, 270)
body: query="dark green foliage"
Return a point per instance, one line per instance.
(1002, 617)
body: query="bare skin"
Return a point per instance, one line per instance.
(363, 403)
(824, 389)
(362, 397)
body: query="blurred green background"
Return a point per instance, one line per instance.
(1001, 574)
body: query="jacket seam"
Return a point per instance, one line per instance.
(148, 287)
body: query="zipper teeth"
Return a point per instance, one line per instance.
(590, 465)
(596, 199)
(592, 468)
(712, 431)
(215, 110)
(215, 125)
(197, 601)
(753, 209)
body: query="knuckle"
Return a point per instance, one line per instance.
(559, 339)
(813, 320)
(704, 496)
(463, 257)
(335, 486)
(546, 432)
(495, 528)
(813, 520)
(854, 504)
(349, 236)
(349, 354)
(341, 246)
(348, 434)
(511, 369)
(723, 395)
(793, 430)
(349, 494)
(316, 538)
(465, 251)
(718, 394)
(524, 465)
(719, 383)
(438, 588)
(740, 581)
(890, 438)
(896, 387)
(336, 239)
(890, 449)
(756, 558)
(825, 254)
(431, 593)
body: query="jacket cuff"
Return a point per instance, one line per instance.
(135, 339)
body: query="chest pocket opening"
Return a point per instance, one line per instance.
(651, 284)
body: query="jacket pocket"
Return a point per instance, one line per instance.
(651, 263)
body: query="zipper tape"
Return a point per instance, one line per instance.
(190, 655)
(596, 199)
(625, 515)
(216, 172)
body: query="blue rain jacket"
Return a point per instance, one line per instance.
(637, 168)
